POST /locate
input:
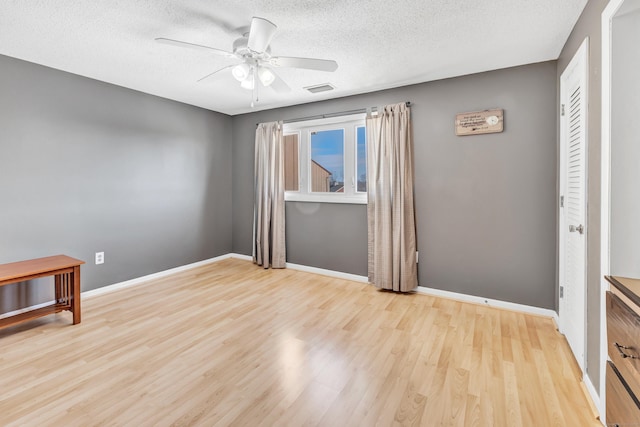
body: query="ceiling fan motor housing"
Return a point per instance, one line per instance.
(240, 47)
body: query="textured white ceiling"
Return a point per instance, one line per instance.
(378, 44)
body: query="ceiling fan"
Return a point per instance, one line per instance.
(257, 64)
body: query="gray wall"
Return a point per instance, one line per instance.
(588, 25)
(327, 235)
(625, 150)
(485, 205)
(86, 166)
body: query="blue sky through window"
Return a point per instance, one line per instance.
(327, 149)
(361, 147)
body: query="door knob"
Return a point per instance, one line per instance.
(579, 229)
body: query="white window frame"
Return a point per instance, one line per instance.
(303, 129)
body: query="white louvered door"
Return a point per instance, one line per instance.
(573, 141)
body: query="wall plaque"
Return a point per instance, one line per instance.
(479, 122)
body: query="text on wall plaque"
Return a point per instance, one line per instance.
(479, 122)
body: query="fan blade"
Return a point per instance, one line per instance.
(308, 63)
(196, 46)
(260, 34)
(216, 71)
(279, 85)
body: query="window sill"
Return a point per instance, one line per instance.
(360, 199)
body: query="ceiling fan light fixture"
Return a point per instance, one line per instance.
(241, 72)
(266, 76)
(247, 83)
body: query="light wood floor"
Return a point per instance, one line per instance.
(233, 344)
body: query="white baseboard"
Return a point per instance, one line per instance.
(315, 270)
(424, 290)
(337, 274)
(128, 283)
(138, 280)
(331, 273)
(489, 302)
(240, 256)
(427, 291)
(594, 394)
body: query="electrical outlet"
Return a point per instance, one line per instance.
(99, 258)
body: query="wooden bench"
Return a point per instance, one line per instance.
(67, 285)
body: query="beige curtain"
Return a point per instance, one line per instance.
(390, 210)
(268, 208)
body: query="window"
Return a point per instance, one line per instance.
(326, 160)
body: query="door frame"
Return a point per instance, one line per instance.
(605, 187)
(580, 56)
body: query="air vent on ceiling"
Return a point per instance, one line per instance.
(320, 88)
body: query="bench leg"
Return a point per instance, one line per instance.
(58, 279)
(75, 295)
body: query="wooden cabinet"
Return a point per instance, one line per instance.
(622, 409)
(623, 341)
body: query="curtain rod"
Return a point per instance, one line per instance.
(330, 115)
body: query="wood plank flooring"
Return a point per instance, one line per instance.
(233, 344)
